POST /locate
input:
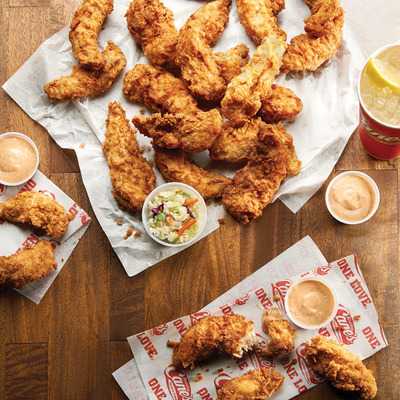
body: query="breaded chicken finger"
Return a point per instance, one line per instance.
(86, 25)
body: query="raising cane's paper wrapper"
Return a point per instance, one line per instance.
(355, 325)
(321, 132)
(14, 237)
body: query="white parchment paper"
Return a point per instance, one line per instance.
(320, 133)
(362, 335)
(13, 237)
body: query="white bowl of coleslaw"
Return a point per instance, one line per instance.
(174, 214)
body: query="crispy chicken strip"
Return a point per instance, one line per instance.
(259, 384)
(158, 90)
(37, 210)
(259, 18)
(132, 176)
(83, 83)
(307, 52)
(255, 138)
(194, 55)
(254, 187)
(27, 265)
(86, 25)
(343, 369)
(243, 96)
(190, 132)
(153, 28)
(281, 105)
(280, 332)
(233, 335)
(230, 62)
(175, 166)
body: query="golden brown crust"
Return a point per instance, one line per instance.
(281, 105)
(27, 265)
(84, 83)
(37, 210)
(232, 335)
(158, 90)
(86, 25)
(230, 62)
(259, 384)
(243, 96)
(191, 132)
(175, 166)
(132, 176)
(259, 18)
(152, 26)
(281, 334)
(342, 368)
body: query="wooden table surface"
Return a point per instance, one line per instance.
(68, 346)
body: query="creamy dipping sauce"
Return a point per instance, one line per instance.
(352, 198)
(311, 303)
(18, 159)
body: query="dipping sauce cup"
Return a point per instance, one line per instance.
(380, 139)
(19, 158)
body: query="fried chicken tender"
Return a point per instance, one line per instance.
(175, 166)
(281, 334)
(83, 83)
(153, 28)
(255, 138)
(254, 187)
(243, 96)
(37, 210)
(158, 90)
(259, 18)
(307, 52)
(27, 265)
(86, 25)
(194, 55)
(132, 176)
(233, 335)
(190, 132)
(343, 369)
(230, 62)
(281, 105)
(259, 384)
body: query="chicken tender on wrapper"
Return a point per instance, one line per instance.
(233, 335)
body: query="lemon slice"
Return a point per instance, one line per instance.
(384, 74)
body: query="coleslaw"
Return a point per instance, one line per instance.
(173, 216)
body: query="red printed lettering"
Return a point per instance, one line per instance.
(370, 336)
(180, 326)
(345, 268)
(157, 389)
(361, 293)
(226, 310)
(204, 394)
(263, 298)
(147, 345)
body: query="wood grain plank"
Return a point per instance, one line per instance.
(79, 318)
(26, 371)
(120, 355)
(29, 3)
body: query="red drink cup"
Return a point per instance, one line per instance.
(380, 140)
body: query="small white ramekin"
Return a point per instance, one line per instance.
(186, 188)
(297, 322)
(33, 144)
(373, 186)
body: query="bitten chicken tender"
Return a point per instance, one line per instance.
(307, 52)
(343, 369)
(132, 176)
(194, 55)
(259, 384)
(233, 335)
(175, 166)
(83, 83)
(86, 25)
(281, 105)
(194, 132)
(153, 28)
(158, 90)
(255, 138)
(27, 265)
(259, 18)
(254, 187)
(243, 96)
(37, 210)
(281, 334)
